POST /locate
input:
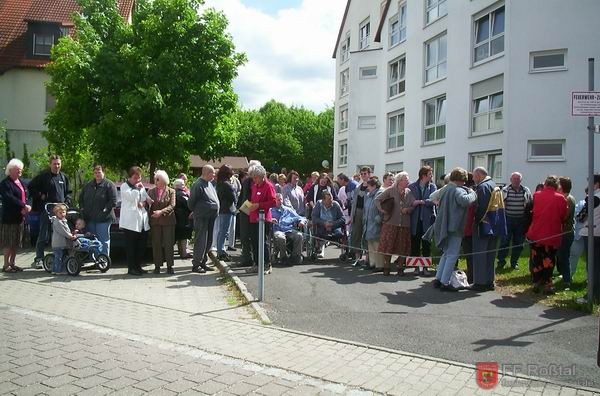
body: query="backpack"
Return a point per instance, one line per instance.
(494, 220)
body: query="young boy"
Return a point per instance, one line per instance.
(61, 237)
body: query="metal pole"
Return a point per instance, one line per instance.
(590, 217)
(261, 255)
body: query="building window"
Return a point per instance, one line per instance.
(435, 9)
(368, 72)
(343, 153)
(364, 31)
(394, 25)
(397, 83)
(435, 58)
(437, 164)
(546, 150)
(345, 49)
(344, 82)
(344, 118)
(435, 119)
(487, 113)
(544, 61)
(395, 138)
(489, 35)
(42, 44)
(487, 106)
(396, 167)
(397, 26)
(65, 31)
(367, 122)
(491, 161)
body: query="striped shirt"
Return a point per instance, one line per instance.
(514, 204)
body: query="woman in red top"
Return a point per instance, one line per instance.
(262, 197)
(545, 232)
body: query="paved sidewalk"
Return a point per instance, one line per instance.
(104, 333)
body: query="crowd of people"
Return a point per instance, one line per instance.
(376, 220)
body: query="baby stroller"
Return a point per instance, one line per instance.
(85, 252)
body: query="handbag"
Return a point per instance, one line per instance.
(387, 205)
(458, 279)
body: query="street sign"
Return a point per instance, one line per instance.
(418, 261)
(586, 104)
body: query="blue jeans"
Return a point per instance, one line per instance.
(448, 259)
(102, 231)
(224, 223)
(43, 236)
(516, 232)
(562, 257)
(57, 265)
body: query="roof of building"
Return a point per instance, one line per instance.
(337, 42)
(14, 16)
(234, 162)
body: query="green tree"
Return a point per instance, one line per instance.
(281, 136)
(150, 93)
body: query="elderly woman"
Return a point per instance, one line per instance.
(397, 204)
(227, 209)
(162, 221)
(183, 226)
(262, 197)
(14, 209)
(372, 224)
(134, 219)
(449, 225)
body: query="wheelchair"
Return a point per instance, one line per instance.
(319, 241)
(289, 243)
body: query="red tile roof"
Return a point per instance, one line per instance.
(236, 163)
(14, 15)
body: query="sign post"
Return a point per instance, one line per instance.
(587, 104)
(261, 255)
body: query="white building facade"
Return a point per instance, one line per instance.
(465, 83)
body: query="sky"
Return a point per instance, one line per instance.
(289, 44)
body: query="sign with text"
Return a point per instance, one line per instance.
(586, 104)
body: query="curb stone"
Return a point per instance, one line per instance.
(225, 269)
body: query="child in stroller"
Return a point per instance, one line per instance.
(85, 249)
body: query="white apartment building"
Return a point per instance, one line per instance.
(465, 83)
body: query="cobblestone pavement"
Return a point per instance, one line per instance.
(110, 333)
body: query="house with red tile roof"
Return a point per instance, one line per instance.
(28, 30)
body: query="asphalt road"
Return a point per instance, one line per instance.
(334, 299)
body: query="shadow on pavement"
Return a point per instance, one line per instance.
(558, 315)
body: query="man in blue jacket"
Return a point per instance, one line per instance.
(285, 220)
(485, 232)
(423, 215)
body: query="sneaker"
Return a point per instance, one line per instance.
(199, 270)
(320, 254)
(436, 283)
(37, 263)
(224, 257)
(514, 266)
